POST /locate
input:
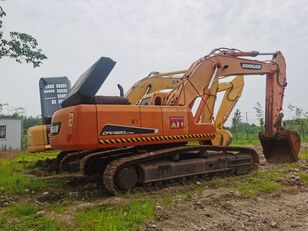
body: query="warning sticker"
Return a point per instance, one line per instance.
(176, 122)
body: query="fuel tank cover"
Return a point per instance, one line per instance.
(86, 87)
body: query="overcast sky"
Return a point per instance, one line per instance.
(145, 36)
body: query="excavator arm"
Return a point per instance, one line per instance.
(153, 82)
(232, 92)
(199, 78)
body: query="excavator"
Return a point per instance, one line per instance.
(153, 87)
(145, 144)
(38, 136)
(155, 81)
(52, 91)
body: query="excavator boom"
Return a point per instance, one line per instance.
(153, 82)
(232, 93)
(202, 73)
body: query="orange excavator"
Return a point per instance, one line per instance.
(153, 88)
(146, 144)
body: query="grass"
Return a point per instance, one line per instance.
(14, 181)
(249, 185)
(113, 218)
(23, 216)
(249, 141)
(130, 215)
(260, 182)
(285, 166)
(304, 177)
(303, 155)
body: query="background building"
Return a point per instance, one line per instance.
(10, 134)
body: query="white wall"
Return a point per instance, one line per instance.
(13, 134)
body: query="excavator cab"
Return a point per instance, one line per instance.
(281, 148)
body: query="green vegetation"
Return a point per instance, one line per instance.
(12, 171)
(304, 177)
(16, 183)
(303, 155)
(129, 213)
(27, 216)
(260, 181)
(24, 216)
(244, 142)
(296, 119)
(127, 217)
(21, 47)
(250, 185)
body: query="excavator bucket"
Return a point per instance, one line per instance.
(282, 148)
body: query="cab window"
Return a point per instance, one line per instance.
(145, 101)
(158, 100)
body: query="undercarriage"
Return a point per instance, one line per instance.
(122, 169)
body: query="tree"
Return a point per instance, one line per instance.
(299, 113)
(20, 46)
(298, 120)
(260, 114)
(236, 120)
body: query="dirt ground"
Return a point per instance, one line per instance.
(210, 212)
(222, 209)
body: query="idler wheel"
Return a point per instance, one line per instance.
(126, 178)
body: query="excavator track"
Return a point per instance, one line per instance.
(70, 162)
(95, 162)
(61, 155)
(119, 173)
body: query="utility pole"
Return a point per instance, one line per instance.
(246, 126)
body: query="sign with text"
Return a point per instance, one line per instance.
(176, 122)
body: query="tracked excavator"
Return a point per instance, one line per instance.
(155, 81)
(50, 88)
(144, 144)
(153, 89)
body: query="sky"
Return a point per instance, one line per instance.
(146, 36)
